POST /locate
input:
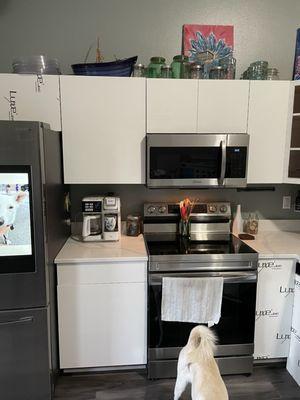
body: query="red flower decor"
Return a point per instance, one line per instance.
(186, 207)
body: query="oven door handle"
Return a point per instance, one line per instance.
(223, 162)
(246, 277)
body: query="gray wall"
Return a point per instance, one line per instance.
(267, 204)
(264, 29)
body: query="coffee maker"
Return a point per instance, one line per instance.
(101, 219)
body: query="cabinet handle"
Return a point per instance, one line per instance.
(17, 321)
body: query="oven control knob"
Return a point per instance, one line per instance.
(223, 209)
(212, 208)
(162, 209)
(151, 209)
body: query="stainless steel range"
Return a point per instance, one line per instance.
(210, 251)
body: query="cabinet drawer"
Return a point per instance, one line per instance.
(76, 274)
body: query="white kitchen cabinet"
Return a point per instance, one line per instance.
(172, 105)
(267, 127)
(293, 363)
(102, 316)
(30, 98)
(292, 149)
(103, 122)
(222, 106)
(192, 106)
(274, 307)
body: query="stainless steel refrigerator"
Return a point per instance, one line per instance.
(32, 231)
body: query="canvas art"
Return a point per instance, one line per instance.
(213, 43)
(296, 74)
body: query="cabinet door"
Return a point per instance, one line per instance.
(30, 98)
(223, 106)
(171, 106)
(293, 363)
(274, 307)
(103, 120)
(102, 325)
(267, 127)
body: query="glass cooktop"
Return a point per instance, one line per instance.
(176, 245)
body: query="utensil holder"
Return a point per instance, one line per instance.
(184, 228)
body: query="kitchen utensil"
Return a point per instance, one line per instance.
(110, 222)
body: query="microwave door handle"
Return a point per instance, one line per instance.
(223, 162)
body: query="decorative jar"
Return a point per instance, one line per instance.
(154, 68)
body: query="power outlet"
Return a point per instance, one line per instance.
(286, 202)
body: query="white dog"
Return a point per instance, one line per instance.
(196, 365)
(8, 209)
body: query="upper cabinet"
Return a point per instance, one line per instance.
(172, 105)
(222, 106)
(30, 98)
(103, 123)
(292, 159)
(192, 106)
(267, 127)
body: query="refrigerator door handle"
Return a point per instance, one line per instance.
(17, 321)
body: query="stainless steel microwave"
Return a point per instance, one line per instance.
(196, 160)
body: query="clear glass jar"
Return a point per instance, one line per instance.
(179, 66)
(133, 225)
(166, 72)
(138, 71)
(154, 68)
(251, 224)
(259, 70)
(272, 74)
(217, 72)
(231, 68)
(197, 71)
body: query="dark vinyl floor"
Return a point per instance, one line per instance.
(267, 382)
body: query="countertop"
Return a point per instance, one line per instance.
(129, 248)
(276, 244)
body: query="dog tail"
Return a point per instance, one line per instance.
(202, 342)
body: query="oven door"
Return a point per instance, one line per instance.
(186, 160)
(235, 330)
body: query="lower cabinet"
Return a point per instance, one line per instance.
(293, 363)
(274, 308)
(102, 321)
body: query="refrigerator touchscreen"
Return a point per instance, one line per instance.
(15, 220)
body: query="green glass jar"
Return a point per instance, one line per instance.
(154, 68)
(180, 66)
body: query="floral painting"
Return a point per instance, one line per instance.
(208, 43)
(296, 75)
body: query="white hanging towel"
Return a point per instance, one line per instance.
(197, 300)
